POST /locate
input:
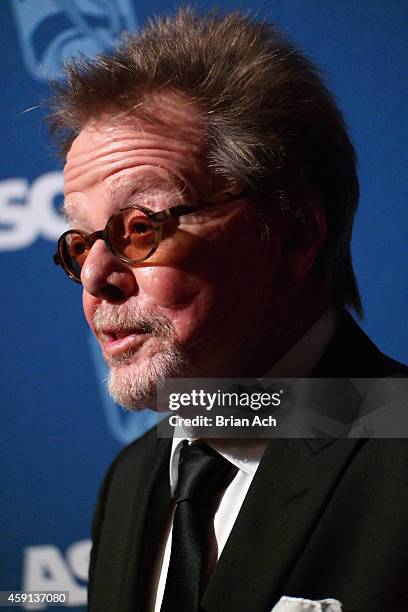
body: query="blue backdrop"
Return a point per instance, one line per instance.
(59, 430)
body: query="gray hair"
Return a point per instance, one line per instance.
(270, 122)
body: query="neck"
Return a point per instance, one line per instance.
(296, 318)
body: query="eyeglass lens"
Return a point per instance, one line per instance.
(130, 233)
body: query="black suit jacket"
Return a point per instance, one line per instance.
(321, 519)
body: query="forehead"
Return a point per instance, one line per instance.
(160, 148)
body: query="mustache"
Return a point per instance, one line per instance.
(123, 319)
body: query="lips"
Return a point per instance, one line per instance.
(114, 342)
(117, 335)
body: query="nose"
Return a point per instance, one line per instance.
(105, 277)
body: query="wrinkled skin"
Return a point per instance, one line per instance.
(214, 279)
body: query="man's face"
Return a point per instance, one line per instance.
(205, 302)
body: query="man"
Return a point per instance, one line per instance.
(213, 185)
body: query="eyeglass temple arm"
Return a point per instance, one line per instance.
(171, 213)
(178, 211)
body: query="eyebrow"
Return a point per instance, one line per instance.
(67, 212)
(72, 213)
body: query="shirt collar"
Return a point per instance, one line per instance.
(245, 454)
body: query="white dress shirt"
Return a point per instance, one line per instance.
(245, 454)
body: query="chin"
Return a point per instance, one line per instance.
(134, 385)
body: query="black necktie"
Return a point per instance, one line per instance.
(202, 475)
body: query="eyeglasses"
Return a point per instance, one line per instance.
(132, 235)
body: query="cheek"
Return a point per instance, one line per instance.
(165, 286)
(188, 301)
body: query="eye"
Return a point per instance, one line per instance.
(135, 223)
(139, 227)
(77, 246)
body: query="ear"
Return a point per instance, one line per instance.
(305, 234)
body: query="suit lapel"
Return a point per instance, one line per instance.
(288, 496)
(289, 493)
(151, 510)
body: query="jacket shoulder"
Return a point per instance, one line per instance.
(135, 450)
(351, 353)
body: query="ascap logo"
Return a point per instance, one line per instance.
(51, 32)
(47, 569)
(29, 211)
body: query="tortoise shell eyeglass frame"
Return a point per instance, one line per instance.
(157, 219)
